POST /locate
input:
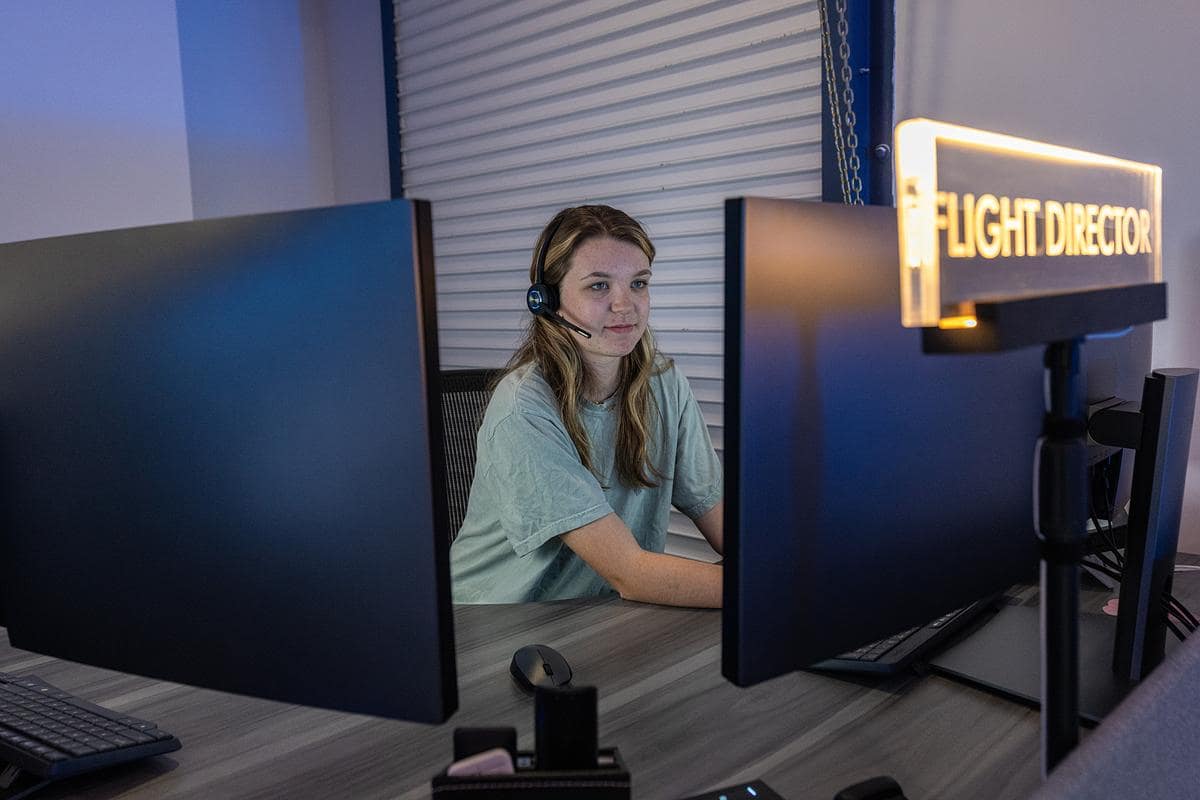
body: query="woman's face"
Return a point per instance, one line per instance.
(607, 293)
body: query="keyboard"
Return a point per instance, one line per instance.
(896, 653)
(50, 734)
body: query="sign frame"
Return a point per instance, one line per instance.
(916, 142)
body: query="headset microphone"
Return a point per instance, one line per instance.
(542, 298)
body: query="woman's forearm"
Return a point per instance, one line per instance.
(672, 581)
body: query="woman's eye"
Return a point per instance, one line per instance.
(640, 284)
(598, 287)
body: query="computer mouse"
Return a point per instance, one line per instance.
(539, 665)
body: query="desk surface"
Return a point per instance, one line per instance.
(680, 726)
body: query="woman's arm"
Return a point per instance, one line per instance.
(712, 525)
(608, 547)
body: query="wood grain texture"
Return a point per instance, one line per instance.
(681, 727)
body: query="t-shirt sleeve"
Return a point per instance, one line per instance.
(699, 481)
(535, 478)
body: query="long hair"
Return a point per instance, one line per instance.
(557, 354)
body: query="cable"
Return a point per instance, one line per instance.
(1188, 613)
(1115, 571)
(1105, 534)
(1170, 605)
(1174, 629)
(1182, 612)
(1116, 562)
(1117, 334)
(1111, 568)
(1108, 515)
(1103, 569)
(1184, 609)
(1191, 628)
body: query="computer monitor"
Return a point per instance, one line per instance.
(869, 487)
(220, 456)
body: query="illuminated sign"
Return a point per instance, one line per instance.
(984, 215)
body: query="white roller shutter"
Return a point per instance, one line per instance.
(510, 111)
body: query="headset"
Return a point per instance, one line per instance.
(542, 298)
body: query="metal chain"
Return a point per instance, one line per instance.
(853, 164)
(835, 111)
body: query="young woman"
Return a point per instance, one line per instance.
(589, 439)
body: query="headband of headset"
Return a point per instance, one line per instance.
(542, 298)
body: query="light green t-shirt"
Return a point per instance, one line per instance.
(530, 486)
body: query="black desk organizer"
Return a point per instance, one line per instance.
(608, 781)
(572, 766)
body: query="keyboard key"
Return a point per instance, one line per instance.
(99, 745)
(76, 749)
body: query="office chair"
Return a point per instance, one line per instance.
(465, 395)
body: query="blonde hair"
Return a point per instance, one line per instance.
(554, 349)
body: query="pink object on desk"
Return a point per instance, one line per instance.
(496, 761)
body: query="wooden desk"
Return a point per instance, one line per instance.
(680, 726)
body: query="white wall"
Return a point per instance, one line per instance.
(357, 113)
(147, 111)
(1110, 76)
(92, 129)
(285, 104)
(257, 107)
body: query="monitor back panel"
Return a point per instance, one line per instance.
(870, 487)
(217, 457)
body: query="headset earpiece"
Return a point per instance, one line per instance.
(542, 299)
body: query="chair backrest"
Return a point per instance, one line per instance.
(465, 395)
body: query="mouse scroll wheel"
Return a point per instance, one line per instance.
(548, 669)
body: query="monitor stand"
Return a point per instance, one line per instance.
(1004, 655)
